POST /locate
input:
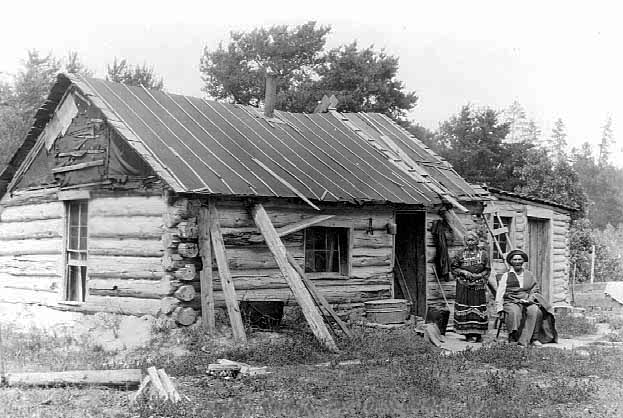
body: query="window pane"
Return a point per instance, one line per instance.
(73, 238)
(83, 214)
(74, 210)
(326, 250)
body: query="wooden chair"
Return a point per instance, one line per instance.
(500, 320)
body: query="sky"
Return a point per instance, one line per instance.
(557, 59)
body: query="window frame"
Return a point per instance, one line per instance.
(75, 258)
(345, 261)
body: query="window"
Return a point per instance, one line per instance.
(75, 250)
(326, 250)
(502, 238)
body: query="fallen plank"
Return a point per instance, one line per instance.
(121, 377)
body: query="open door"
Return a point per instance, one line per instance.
(410, 260)
(539, 246)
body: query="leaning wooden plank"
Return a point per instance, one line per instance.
(156, 383)
(174, 396)
(205, 277)
(285, 183)
(233, 309)
(318, 296)
(304, 299)
(121, 377)
(297, 226)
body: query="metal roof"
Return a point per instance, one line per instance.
(502, 193)
(201, 146)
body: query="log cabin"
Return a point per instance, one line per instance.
(541, 228)
(139, 202)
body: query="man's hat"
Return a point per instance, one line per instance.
(516, 252)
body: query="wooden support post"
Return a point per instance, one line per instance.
(303, 297)
(205, 276)
(233, 309)
(318, 296)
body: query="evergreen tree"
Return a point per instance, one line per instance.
(557, 143)
(606, 141)
(361, 79)
(133, 75)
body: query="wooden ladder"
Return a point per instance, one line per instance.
(496, 232)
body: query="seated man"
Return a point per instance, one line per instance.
(528, 315)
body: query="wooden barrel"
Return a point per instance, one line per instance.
(387, 311)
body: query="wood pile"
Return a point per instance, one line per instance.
(156, 384)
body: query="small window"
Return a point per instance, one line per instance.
(76, 251)
(326, 250)
(502, 238)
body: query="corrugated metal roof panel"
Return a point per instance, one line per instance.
(383, 130)
(221, 148)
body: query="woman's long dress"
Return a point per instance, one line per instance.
(470, 307)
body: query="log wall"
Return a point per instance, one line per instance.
(254, 271)
(124, 262)
(559, 223)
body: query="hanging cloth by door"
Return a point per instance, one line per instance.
(442, 258)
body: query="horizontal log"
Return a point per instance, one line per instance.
(93, 303)
(188, 249)
(31, 265)
(31, 246)
(128, 247)
(332, 294)
(276, 281)
(236, 217)
(125, 378)
(51, 210)
(148, 289)
(38, 283)
(294, 227)
(378, 240)
(185, 316)
(127, 206)
(47, 228)
(169, 304)
(34, 207)
(125, 227)
(125, 267)
(364, 260)
(185, 293)
(187, 230)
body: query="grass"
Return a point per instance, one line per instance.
(399, 376)
(570, 326)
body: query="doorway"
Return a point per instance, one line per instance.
(539, 246)
(410, 260)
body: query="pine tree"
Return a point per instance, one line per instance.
(133, 75)
(606, 141)
(557, 144)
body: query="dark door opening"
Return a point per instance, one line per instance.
(410, 260)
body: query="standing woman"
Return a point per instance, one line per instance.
(471, 268)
